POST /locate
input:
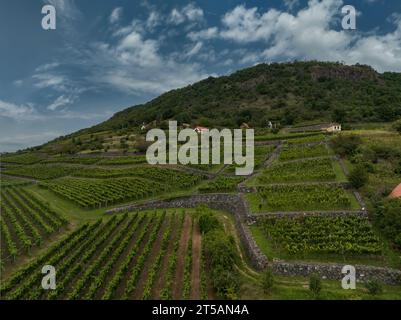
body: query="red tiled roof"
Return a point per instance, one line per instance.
(396, 192)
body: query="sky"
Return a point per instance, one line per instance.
(105, 56)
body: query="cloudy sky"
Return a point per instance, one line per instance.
(105, 56)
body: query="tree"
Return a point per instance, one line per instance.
(397, 126)
(315, 284)
(346, 145)
(388, 219)
(339, 115)
(267, 281)
(358, 176)
(397, 170)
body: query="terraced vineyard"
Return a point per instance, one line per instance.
(25, 222)
(317, 235)
(298, 198)
(141, 255)
(300, 171)
(311, 139)
(23, 158)
(8, 181)
(115, 161)
(41, 171)
(76, 160)
(96, 193)
(303, 152)
(221, 184)
(169, 176)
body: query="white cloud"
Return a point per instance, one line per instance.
(115, 15)
(206, 34)
(247, 25)
(49, 80)
(47, 66)
(66, 9)
(61, 101)
(135, 65)
(18, 82)
(311, 33)
(17, 112)
(189, 13)
(133, 49)
(153, 20)
(195, 49)
(290, 4)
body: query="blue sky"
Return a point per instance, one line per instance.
(105, 56)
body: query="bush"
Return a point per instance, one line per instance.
(267, 281)
(358, 176)
(397, 126)
(374, 287)
(207, 222)
(315, 284)
(345, 145)
(388, 219)
(221, 254)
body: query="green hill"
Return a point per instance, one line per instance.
(286, 92)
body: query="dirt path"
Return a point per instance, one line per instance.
(182, 249)
(196, 254)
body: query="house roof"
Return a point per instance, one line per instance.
(201, 128)
(396, 192)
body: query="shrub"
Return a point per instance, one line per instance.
(267, 281)
(358, 176)
(374, 287)
(315, 284)
(207, 222)
(397, 126)
(388, 219)
(345, 145)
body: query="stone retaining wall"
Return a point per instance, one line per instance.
(297, 214)
(333, 271)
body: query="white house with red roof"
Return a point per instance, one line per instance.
(199, 129)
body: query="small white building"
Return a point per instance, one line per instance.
(328, 127)
(199, 129)
(333, 127)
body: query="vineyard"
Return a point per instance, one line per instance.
(298, 198)
(317, 235)
(131, 256)
(41, 171)
(293, 153)
(8, 181)
(115, 161)
(24, 158)
(75, 160)
(25, 222)
(221, 184)
(168, 176)
(311, 139)
(300, 171)
(261, 153)
(96, 193)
